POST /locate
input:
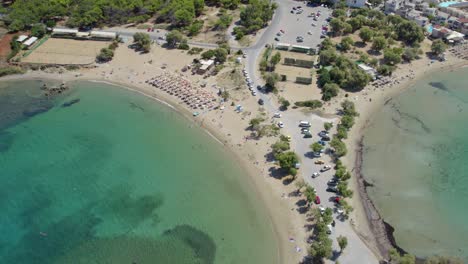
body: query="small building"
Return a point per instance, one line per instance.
(28, 43)
(356, 3)
(369, 70)
(442, 17)
(418, 18)
(392, 6)
(303, 49)
(431, 11)
(282, 46)
(205, 66)
(103, 35)
(440, 32)
(21, 38)
(64, 32)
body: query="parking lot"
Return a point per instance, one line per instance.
(299, 23)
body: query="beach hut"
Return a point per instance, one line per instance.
(28, 43)
(21, 38)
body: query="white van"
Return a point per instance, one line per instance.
(304, 124)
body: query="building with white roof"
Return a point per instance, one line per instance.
(30, 41)
(22, 38)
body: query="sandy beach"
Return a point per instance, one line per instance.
(130, 70)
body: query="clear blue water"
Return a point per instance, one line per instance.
(118, 178)
(416, 155)
(429, 28)
(446, 4)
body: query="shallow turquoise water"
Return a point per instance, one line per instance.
(117, 178)
(416, 155)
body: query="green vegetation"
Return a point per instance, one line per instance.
(259, 129)
(366, 34)
(392, 56)
(438, 47)
(342, 242)
(287, 161)
(313, 104)
(142, 42)
(396, 258)
(271, 80)
(346, 44)
(38, 30)
(254, 16)
(105, 55)
(173, 38)
(329, 90)
(15, 48)
(310, 194)
(379, 43)
(195, 50)
(316, 147)
(284, 103)
(4, 71)
(327, 126)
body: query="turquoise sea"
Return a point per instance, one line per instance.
(118, 178)
(416, 155)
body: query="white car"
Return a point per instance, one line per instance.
(277, 115)
(321, 209)
(280, 124)
(329, 229)
(315, 174)
(254, 93)
(325, 168)
(309, 32)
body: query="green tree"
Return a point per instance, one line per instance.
(327, 56)
(438, 47)
(346, 43)
(357, 22)
(327, 126)
(385, 69)
(105, 55)
(254, 123)
(392, 56)
(337, 25)
(409, 32)
(173, 38)
(329, 90)
(220, 55)
(223, 22)
(142, 41)
(339, 146)
(339, 13)
(366, 34)
(323, 78)
(280, 146)
(271, 80)
(316, 147)
(287, 161)
(379, 43)
(348, 108)
(275, 59)
(347, 121)
(195, 28)
(411, 53)
(342, 242)
(38, 30)
(284, 104)
(322, 249)
(310, 195)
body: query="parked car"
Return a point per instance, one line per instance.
(282, 31)
(319, 162)
(317, 199)
(278, 34)
(280, 124)
(254, 93)
(259, 87)
(304, 124)
(307, 135)
(323, 133)
(277, 39)
(332, 189)
(277, 115)
(316, 154)
(260, 101)
(326, 138)
(321, 142)
(333, 181)
(321, 209)
(325, 168)
(329, 229)
(304, 129)
(315, 174)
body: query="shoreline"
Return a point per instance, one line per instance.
(376, 231)
(278, 217)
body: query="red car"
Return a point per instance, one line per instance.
(337, 199)
(317, 199)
